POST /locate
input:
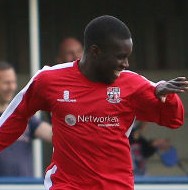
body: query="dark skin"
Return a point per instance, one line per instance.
(104, 64)
(177, 85)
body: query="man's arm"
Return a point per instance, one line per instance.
(15, 118)
(44, 132)
(149, 107)
(40, 129)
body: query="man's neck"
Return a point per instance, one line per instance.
(86, 70)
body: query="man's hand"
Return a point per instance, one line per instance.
(177, 85)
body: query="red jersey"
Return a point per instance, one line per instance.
(91, 124)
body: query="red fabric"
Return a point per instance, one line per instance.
(91, 150)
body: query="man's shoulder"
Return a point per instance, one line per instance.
(57, 67)
(48, 72)
(134, 79)
(133, 76)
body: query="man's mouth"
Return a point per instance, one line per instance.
(118, 72)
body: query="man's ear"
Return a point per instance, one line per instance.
(94, 50)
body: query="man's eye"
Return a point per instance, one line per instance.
(121, 57)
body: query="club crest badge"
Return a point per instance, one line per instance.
(113, 95)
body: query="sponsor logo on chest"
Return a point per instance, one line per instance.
(100, 121)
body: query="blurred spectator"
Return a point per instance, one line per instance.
(16, 160)
(69, 50)
(142, 148)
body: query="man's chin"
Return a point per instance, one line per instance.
(111, 80)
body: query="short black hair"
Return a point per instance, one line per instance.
(101, 29)
(5, 66)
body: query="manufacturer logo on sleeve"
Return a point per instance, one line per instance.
(66, 97)
(113, 95)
